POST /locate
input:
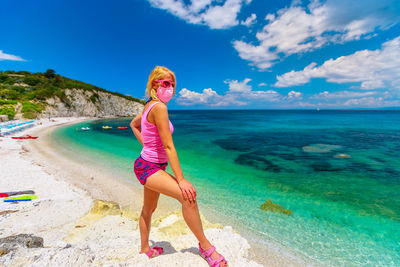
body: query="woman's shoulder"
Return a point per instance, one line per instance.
(159, 106)
(158, 109)
(151, 104)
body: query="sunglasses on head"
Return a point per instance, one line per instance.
(166, 83)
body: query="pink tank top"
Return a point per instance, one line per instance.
(153, 149)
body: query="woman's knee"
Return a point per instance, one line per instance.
(189, 205)
(148, 210)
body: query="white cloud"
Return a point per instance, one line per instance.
(294, 95)
(236, 86)
(216, 14)
(258, 55)
(342, 94)
(364, 101)
(298, 29)
(262, 84)
(352, 99)
(4, 56)
(187, 97)
(242, 90)
(357, 99)
(208, 97)
(268, 96)
(199, 5)
(250, 20)
(371, 102)
(270, 17)
(372, 68)
(240, 93)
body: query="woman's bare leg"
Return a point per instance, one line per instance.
(166, 184)
(149, 206)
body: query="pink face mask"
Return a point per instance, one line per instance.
(165, 93)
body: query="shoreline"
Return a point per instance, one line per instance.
(167, 222)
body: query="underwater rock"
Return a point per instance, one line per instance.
(173, 224)
(274, 207)
(286, 155)
(324, 166)
(342, 156)
(256, 161)
(101, 207)
(99, 210)
(320, 148)
(22, 240)
(232, 144)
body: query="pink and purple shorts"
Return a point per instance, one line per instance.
(143, 169)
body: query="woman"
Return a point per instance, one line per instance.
(154, 131)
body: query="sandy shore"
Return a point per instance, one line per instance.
(88, 217)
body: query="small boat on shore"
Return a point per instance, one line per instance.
(106, 127)
(122, 127)
(85, 128)
(24, 137)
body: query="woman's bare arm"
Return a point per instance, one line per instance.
(160, 116)
(161, 119)
(135, 125)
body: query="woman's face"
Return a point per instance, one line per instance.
(167, 77)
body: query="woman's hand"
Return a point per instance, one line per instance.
(135, 126)
(188, 190)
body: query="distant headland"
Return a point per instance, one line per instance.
(33, 95)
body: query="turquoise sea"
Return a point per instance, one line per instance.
(337, 171)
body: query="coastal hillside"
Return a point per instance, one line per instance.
(33, 95)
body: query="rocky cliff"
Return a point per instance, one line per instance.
(29, 95)
(78, 102)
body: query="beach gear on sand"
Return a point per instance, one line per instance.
(122, 127)
(12, 127)
(24, 137)
(207, 256)
(143, 169)
(23, 198)
(17, 200)
(157, 250)
(8, 194)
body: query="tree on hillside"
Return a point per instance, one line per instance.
(49, 73)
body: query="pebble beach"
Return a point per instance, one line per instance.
(87, 217)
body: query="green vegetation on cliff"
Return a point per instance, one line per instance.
(32, 89)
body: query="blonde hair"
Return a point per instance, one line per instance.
(156, 74)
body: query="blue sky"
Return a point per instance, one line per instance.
(245, 54)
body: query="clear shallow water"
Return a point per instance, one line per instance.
(345, 211)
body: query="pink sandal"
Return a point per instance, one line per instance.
(207, 256)
(158, 251)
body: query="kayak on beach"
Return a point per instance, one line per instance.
(24, 137)
(85, 128)
(106, 127)
(8, 194)
(122, 127)
(21, 198)
(17, 200)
